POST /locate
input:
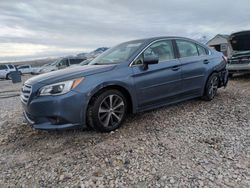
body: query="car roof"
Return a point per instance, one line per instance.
(152, 39)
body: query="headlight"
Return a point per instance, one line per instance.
(59, 88)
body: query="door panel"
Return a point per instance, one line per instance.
(158, 83)
(193, 74)
(194, 66)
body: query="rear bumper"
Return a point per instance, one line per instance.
(223, 77)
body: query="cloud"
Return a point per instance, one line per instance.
(49, 28)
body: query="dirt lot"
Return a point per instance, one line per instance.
(192, 144)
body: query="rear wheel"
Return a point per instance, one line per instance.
(211, 87)
(107, 111)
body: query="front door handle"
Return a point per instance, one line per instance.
(175, 68)
(205, 61)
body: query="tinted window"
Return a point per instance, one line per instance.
(75, 61)
(23, 67)
(3, 67)
(11, 66)
(201, 50)
(64, 62)
(186, 48)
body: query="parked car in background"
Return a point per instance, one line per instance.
(5, 71)
(134, 76)
(59, 64)
(83, 63)
(25, 69)
(239, 62)
(37, 70)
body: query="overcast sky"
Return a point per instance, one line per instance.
(46, 28)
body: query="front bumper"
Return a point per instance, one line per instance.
(56, 112)
(238, 68)
(49, 125)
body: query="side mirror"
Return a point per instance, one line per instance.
(150, 60)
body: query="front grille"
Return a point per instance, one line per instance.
(25, 93)
(239, 61)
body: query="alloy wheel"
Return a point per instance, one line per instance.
(213, 86)
(111, 110)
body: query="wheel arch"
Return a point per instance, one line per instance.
(123, 89)
(207, 78)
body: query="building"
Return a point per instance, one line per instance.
(220, 43)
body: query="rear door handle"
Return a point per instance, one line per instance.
(175, 68)
(205, 61)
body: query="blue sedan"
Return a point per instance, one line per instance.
(134, 76)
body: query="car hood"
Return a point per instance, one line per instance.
(70, 73)
(240, 41)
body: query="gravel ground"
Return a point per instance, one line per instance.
(191, 144)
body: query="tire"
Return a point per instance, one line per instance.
(230, 75)
(106, 116)
(8, 77)
(211, 87)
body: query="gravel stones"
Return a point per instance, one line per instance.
(191, 144)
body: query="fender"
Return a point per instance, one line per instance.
(130, 90)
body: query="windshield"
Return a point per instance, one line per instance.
(117, 54)
(85, 62)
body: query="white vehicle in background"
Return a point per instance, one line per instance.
(25, 69)
(5, 70)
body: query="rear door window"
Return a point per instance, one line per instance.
(186, 48)
(201, 50)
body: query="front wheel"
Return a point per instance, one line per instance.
(107, 111)
(8, 77)
(211, 87)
